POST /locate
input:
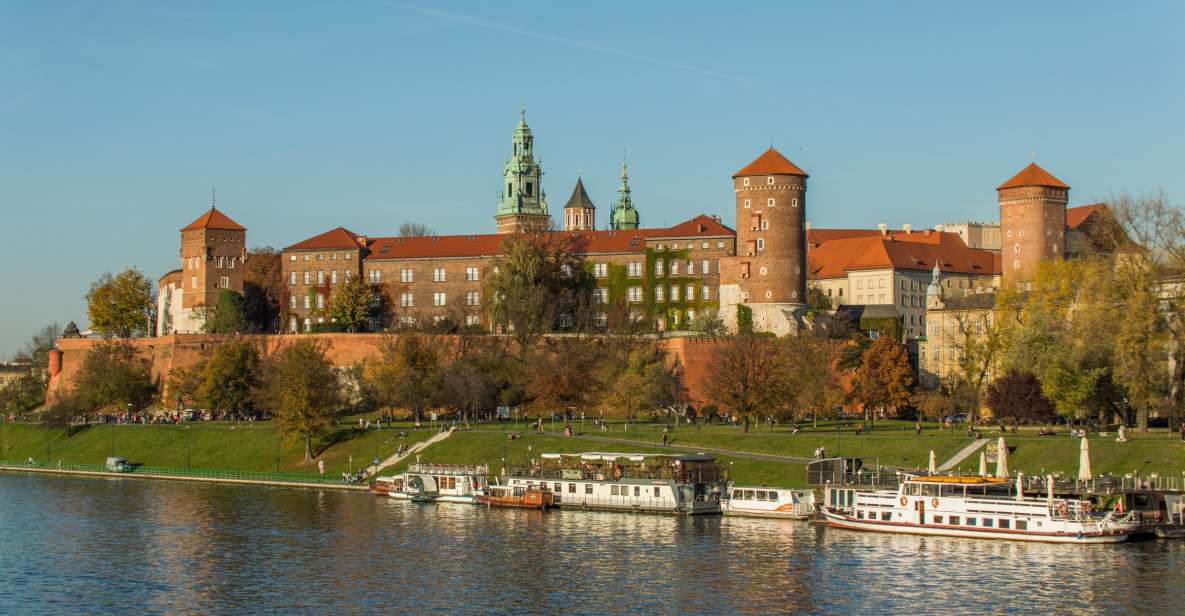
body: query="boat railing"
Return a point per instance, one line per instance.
(599, 475)
(449, 469)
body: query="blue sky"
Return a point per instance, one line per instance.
(116, 118)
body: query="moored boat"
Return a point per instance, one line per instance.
(441, 483)
(763, 502)
(383, 486)
(972, 506)
(517, 497)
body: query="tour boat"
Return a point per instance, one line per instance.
(687, 484)
(972, 506)
(765, 502)
(441, 483)
(516, 497)
(383, 486)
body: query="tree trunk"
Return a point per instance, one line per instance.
(308, 448)
(1142, 419)
(745, 426)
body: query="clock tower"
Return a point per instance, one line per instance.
(522, 205)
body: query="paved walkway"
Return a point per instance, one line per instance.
(395, 458)
(962, 455)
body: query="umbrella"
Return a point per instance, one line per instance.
(1084, 473)
(1002, 459)
(1020, 486)
(983, 464)
(933, 463)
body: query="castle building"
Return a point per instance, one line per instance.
(1032, 220)
(523, 203)
(213, 250)
(768, 275)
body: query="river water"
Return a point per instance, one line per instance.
(126, 546)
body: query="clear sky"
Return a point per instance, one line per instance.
(116, 118)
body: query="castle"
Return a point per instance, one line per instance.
(758, 273)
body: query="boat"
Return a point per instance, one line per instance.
(516, 497)
(972, 506)
(686, 484)
(383, 486)
(446, 483)
(763, 502)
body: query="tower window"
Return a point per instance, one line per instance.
(769, 180)
(760, 243)
(509, 189)
(746, 181)
(794, 202)
(530, 188)
(770, 202)
(748, 203)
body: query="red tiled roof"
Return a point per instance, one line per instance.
(1075, 216)
(815, 237)
(700, 225)
(339, 238)
(214, 219)
(835, 258)
(1032, 175)
(771, 162)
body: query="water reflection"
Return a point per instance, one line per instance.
(85, 545)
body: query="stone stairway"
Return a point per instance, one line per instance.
(963, 454)
(395, 458)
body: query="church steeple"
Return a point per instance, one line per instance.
(580, 214)
(522, 204)
(624, 215)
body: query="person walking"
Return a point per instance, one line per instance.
(665, 438)
(917, 428)
(1181, 429)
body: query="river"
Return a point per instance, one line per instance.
(127, 546)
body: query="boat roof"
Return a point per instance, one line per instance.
(633, 457)
(962, 479)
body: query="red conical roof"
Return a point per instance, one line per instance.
(771, 162)
(1033, 175)
(214, 219)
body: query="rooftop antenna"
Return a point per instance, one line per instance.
(213, 198)
(1033, 153)
(771, 142)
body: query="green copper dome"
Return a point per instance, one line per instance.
(624, 216)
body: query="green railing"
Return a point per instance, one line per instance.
(164, 471)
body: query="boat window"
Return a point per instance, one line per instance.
(571, 488)
(759, 495)
(637, 490)
(931, 489)
(656, 491)
(1022, 525)
(559, 487)
(954, 520)
(1004, 523)
(987, 522)
(774, 496)
(886, 515)
(970, 521)
(613, 490)
(833, 499)
(588, 488)
(1141, 501)
(739, 493)
(748, 494)
(859, 514)
(938, 519)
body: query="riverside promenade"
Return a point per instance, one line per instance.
(185, 474)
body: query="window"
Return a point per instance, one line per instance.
(748, 203)
(988, 522)
(320, 301)
(657, 492)
(601, 295)
(439, 299)
(634, 294)
(770, 202)
(292, 301)
(571, 488)
(704, 267)
(375, 276)
(658, 268)
(659, 294)
(859, 284)
(717, 267)
(193, 282)
(674, 293)
(406, 275)
(704, 294)
(406, 300)
(472, 298)
(292, 325)
(473, 319)
(308, 276)
(674, 267)
(937, 519)
(704, 245)
(333, 277)
(637, 490)
(954, 520)
(221, 261)
(291, 257)
(224, 282)
(1005, 523)
(291, 278)
(720, 244)
(690, 267)
(1022, 525)
(306, 302)
(438, 274)
(232, 262)
(588, 488)
(760, 243)
(472, 274)
(764, 225)
(745, 181)
(634, 269)
(690, 293)
(600, 270)
(794, 202)
(306, 257)
(320, 277)
(320, 257)
(407, 321)
(308, 324)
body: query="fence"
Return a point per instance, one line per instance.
(163, 471)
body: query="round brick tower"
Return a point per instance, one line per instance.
(1032, 220)
(771, 231)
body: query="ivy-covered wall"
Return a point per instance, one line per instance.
(618, 281)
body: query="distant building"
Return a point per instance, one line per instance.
(978, 235)
(213, 250)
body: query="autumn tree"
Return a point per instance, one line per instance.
(263, 289)
(113, 374)
(884, 378)
(228, 316)
(813, 362)
(749, 376)
(301, 390)
(558, 374)
(228, 380)
(639, 381)
(405, 375)
(1018, 396)
(350, 304)
(121, 305)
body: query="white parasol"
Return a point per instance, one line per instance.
(982, 463)
(1002, 459)
(933, 463)
(1084, 473)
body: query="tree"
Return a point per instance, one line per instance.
(415, 229)
(264, 290)
(814, 377)
(707, 322)
(558, 374)
(23, 393)
(36, 350)
(642, 381)
(60, 415)
(228, 316)
(933, 404)
(884, 377)
(229, 378)
(748, 376)
(405, 376)
(114, 374)
(121, 305)
(1018, 396)
(350, 305)
(817, 300)
(301, 390)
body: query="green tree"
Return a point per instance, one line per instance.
(405, 376)
(884, 378)
(707, 322)
(121, 305)
(350, 305)
(23, 393)
(228, 316)
(642, 382)
(114, 374)
(817, 300)
(558, 374)
(60, 415)
(301, 390)
(229, 378)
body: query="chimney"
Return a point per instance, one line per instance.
(927, 233)
(716, 217)
(907, 228)
(884, 228)
(938, 228)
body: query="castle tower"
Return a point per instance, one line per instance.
(522, 205)
(1032, 220)
(624, 215)
(768, 274)
(213, 251)
(580, 214)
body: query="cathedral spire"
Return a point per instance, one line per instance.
(624, 215)
(522, 203)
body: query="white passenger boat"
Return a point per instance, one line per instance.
(688, 484)
(972, 506)
(440, 483)
(763, 502)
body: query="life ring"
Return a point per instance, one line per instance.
(904, 501)
(934, 502)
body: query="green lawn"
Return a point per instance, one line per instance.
(246, 447)
(1144, 454)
